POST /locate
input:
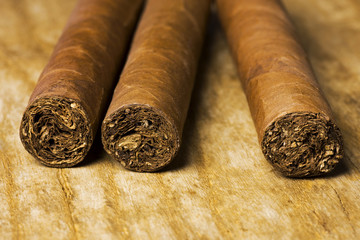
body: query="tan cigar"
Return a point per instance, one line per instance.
(64, 111)
(295, 126)
(143, 126)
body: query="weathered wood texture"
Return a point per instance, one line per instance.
(220, 186)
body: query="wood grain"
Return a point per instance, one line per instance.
(220, 186)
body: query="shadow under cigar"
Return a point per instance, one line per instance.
(340, 169)
(95, 153)
(190, 139)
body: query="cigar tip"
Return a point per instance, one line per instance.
(56, 131)
(303, 144)
(140, 138)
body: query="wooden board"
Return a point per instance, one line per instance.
(220, 186)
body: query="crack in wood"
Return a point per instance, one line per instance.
(68, 198)
(344, 210)
(322, 221)
(11, 200)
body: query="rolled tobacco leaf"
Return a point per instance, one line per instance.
(295, 126)
(65, 109)
(143, 126)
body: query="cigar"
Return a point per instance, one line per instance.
(294, 123)
(143, 125)
(66, 106)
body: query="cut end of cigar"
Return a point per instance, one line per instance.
(56, 131)
(303, 144)
(140, 138)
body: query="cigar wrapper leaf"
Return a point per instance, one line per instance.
(143, 126)
(294, 122)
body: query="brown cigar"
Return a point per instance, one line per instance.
(296, 128)
(143, 126)
(61, 119)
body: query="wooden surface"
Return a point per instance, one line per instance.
(220, 186)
